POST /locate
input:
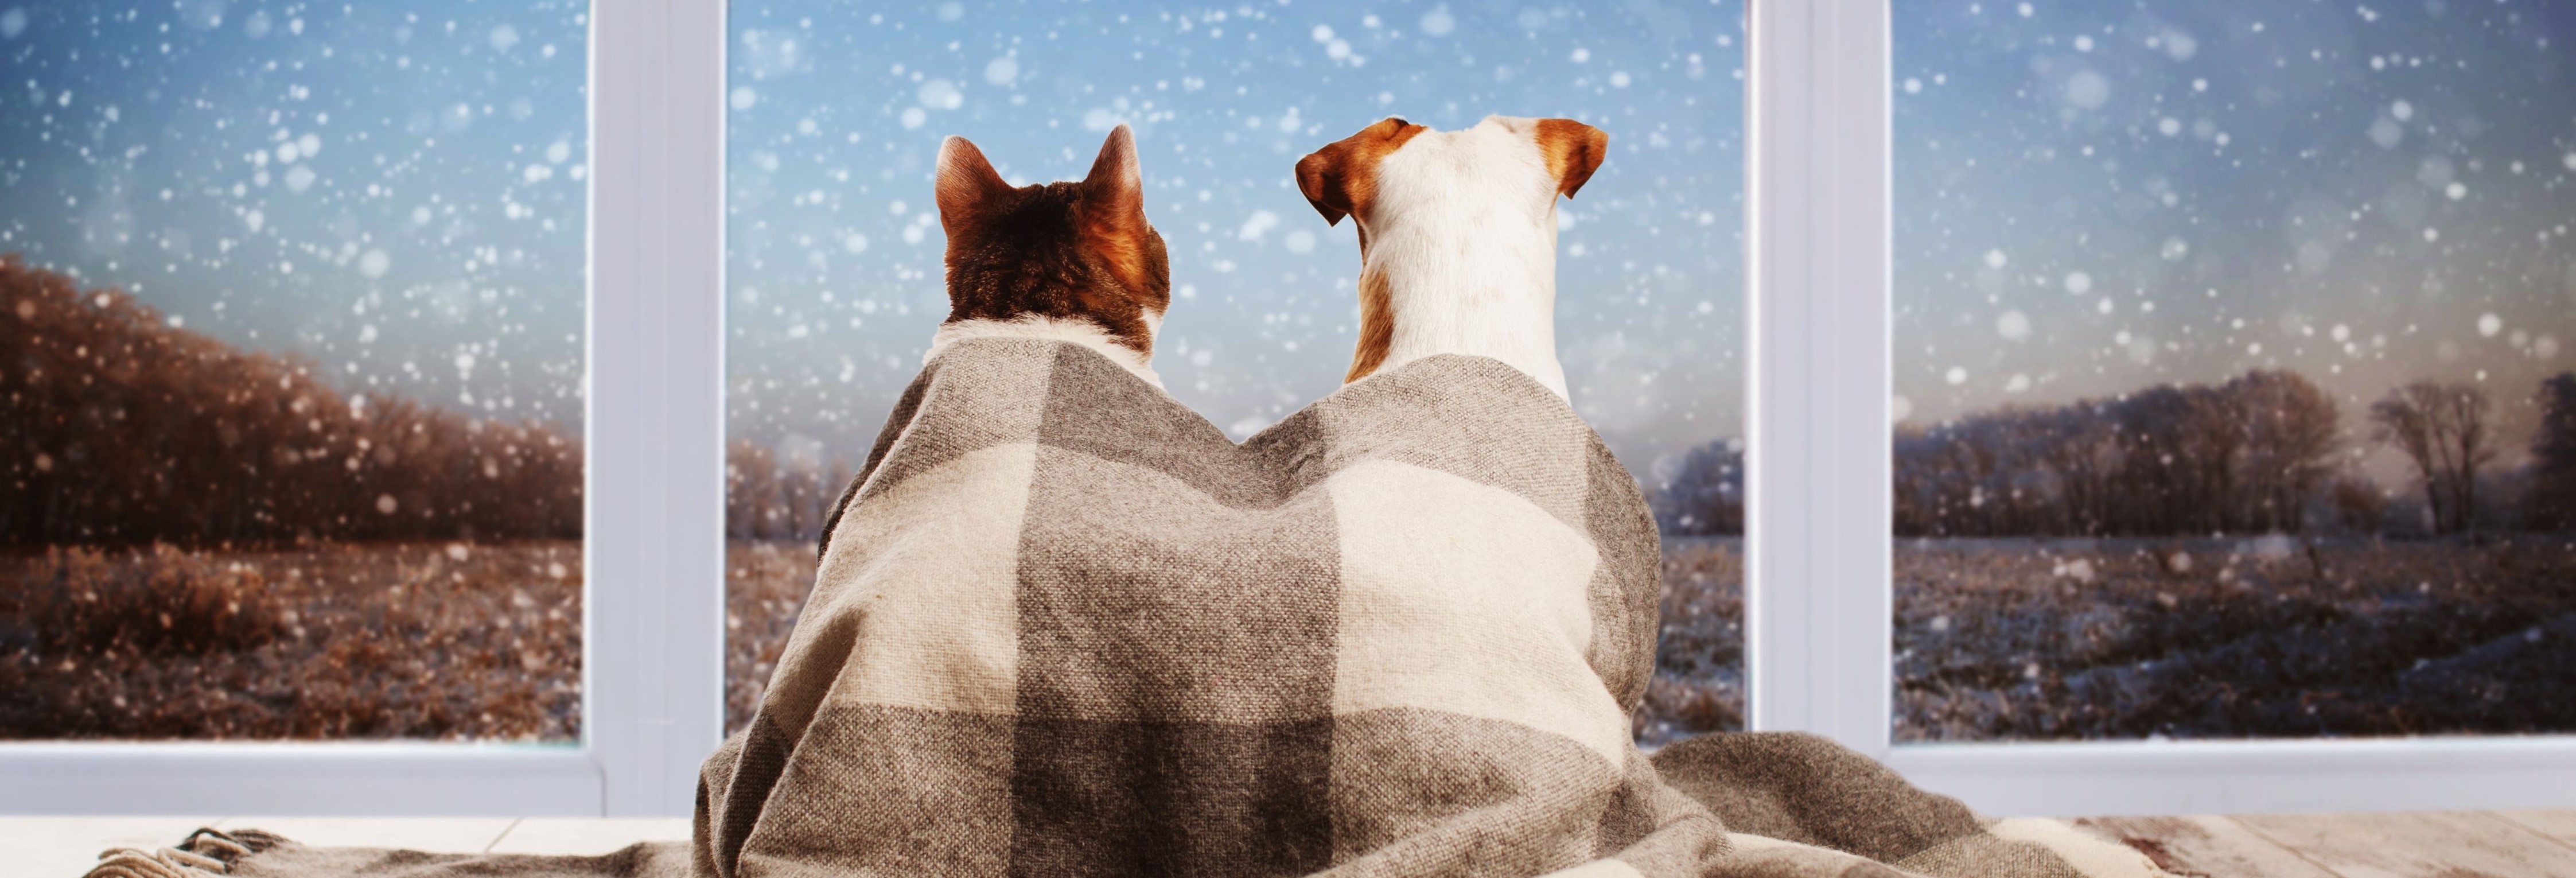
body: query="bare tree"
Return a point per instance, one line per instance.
(768, 497)
(2552, 501)
(2291, 431)
(2359, 505)
(2443, 429)
(751, 490)
(2252, 454)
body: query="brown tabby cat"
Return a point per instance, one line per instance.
(1070, 261)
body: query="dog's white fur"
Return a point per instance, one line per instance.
(1464, 228)
(1076, 330)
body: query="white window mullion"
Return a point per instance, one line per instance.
(1817, 524)
(656, 478)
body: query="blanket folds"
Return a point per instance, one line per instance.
(1063, 626)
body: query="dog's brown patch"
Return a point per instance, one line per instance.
(1341, 179)
(1065, 250)
(1573, 150)
(1377, 325)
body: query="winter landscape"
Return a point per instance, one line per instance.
(201, 542)
(2232, 340)
(291, 363)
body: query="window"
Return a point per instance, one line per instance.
(291, 368)
(835, 280)
(1863, 248)
(2231, 368)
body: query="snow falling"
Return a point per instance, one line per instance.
(372, 187)
(2126, 196)
(837, 111)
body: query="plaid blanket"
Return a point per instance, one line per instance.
(1063, 626)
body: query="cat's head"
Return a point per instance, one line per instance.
(1063, 252)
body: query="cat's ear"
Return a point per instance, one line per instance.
(967, 184)
(1340, 178)
(1112, 209)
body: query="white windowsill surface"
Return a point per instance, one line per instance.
(66, 846)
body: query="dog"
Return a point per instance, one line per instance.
(1457, 235)
(1072, 261)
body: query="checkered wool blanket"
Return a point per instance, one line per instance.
(1063, 626)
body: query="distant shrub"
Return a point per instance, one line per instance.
(118, 427)
(2359, 505)
(177, 603)
(1704, 493)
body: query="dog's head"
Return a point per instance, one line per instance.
(1396, 172)
(1450, 213)
(1063, 251)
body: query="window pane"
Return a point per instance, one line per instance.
(291, 369)
(2232, 361)
(837, 114)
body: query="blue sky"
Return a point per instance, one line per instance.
(2094, 197)
(393, 191)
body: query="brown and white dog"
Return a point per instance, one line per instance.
(1070, 261)
(1457, 235)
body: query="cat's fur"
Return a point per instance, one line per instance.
(1075, 261)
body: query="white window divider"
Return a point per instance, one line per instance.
(654, 604)
(656, 495)
(1819, 528)
(1817, 503)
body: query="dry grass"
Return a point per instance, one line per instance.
(1996, 639)
(438, 640)
(1699, 658)
(765, 586)
(2088, 639)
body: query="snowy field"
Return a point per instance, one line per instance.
(1699, 659)
(2033, 639)
(2218, 638)
(1996, 639)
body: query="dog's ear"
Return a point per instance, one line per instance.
(1111, 214)
(1573, 150)
(966, 185)
(1340, 178)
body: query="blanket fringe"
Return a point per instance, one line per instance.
(206, 851)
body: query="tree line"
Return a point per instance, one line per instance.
(119, 427)
(767, 498)
(2262, 452)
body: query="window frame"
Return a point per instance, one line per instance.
(653, 547)
(1818, 645)
(1819, 606)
